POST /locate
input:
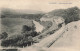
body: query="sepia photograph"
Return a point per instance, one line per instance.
(39, 25)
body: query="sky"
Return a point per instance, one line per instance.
(41, 5)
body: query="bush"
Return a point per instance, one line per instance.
(3, 35)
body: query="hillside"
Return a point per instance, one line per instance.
(69, 14)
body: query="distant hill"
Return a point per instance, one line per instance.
(28, 14)
(21, 11)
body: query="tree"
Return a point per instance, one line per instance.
(3, 35)
(25, 28)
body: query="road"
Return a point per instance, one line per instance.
(46, 42)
